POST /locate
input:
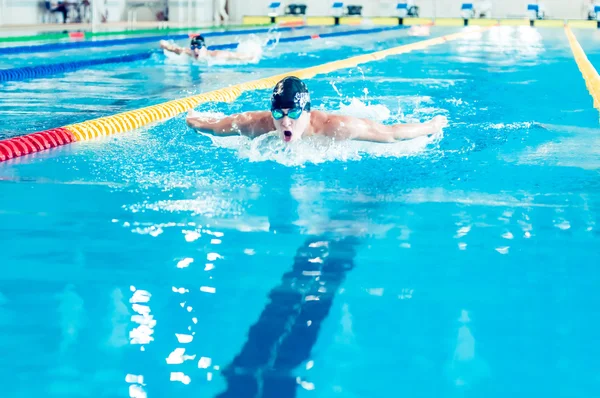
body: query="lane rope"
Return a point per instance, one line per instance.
(32, 72)
(589, 73)
(51, 47)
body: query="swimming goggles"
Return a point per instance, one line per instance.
(293, 113)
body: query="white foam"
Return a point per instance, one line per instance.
(507, 126)
(173, 58)
(357, 108)
(251, 47)
(318, 149)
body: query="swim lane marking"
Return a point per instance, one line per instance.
(589, 73)
(288, 327)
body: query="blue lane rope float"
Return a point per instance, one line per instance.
(131, 40)
(31, 72)
(310, 37)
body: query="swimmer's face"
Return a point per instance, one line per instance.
(200, 52)
(290, 129)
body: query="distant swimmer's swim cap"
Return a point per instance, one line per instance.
(290, 93)
(197, 42)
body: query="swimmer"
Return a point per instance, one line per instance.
(198, 50)
(293, 119)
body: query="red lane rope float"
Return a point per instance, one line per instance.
(31, 143)
(76, 35)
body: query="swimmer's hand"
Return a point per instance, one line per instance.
(165, 45)
(349, 127)
(409, 131)
(200, 123)
(438, 123)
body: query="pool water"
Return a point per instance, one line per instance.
(162, 262)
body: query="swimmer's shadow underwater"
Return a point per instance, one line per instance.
(288, 327)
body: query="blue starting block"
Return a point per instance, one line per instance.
(275, 9)
(467, 11)
(337, 9)
(402, 10)
(534, 12)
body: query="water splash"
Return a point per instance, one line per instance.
(318, 149)
(182, 59)
(338, 92)
(358, 108)
(272, 40)
(251, 47)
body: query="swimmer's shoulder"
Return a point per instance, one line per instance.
(222, 54)
(260, 119)
(323, 122)
(318, 118)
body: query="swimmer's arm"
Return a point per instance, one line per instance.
(349, 127)
(165, 45)
(230, 55)
(251, 124)
(407, 131)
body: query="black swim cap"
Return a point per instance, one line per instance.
(197, 41)
(290, 92)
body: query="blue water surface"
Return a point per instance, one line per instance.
(162, 263)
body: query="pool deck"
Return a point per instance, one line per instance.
(14, 30)
(386, 21)
(10, 30)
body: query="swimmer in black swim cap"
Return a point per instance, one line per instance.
(197, 43)
(292, 118)
(198, 50)
(290, 108)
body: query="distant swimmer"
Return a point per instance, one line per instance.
(293, 119)
(198, 50)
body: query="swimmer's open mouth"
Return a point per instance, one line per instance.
(287, 135)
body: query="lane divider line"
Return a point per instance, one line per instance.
(109, 125)
(33, 72)
(589, 73)
(35, 142)
(50, 47)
